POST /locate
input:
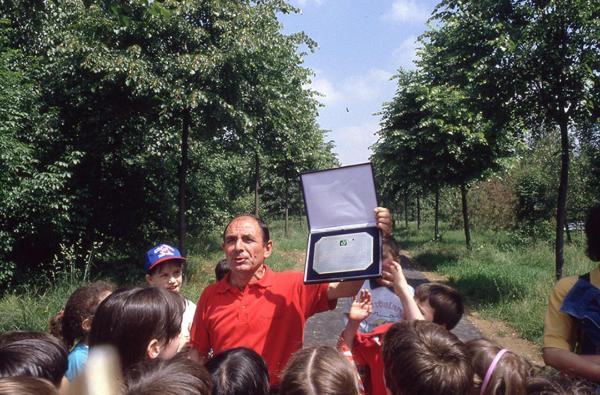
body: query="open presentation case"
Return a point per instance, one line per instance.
(344, 242)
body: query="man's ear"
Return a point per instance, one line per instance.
(149, 279)
(268, 248)
(153, 349)
(86, 325)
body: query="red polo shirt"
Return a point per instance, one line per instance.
(267, 316)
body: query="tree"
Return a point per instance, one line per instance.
(433, 138)
(162, 102)
(34, 199)
(530, 61)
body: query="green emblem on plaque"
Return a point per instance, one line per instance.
(343, 243)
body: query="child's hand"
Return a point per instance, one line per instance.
(387, 278)
(361, 306)
(398, 280)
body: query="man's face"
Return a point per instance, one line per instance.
(244, 246)
(168, 275)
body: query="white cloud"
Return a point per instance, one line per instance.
(329, 94)
(302, 3)
(406, 53)
(407, 11)
(349, 111)
(367, 87)
(353, 142)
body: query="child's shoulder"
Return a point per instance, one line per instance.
(189, 304)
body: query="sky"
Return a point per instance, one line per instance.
(361, 45)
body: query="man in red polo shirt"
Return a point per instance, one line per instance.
(260, 309)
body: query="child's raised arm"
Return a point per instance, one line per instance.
(402, 289)
(360, 309)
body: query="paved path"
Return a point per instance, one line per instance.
(325, 328)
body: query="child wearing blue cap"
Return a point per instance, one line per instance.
(164, 269)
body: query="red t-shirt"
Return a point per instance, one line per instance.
(267, 316)
(367, 351)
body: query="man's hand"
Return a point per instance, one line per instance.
(361, 306)
(384, 221)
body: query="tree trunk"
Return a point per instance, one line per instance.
(406, 210)
(562, 196)
(436, 215)
(256, 182)
(302, 215)
(465, 212)
(568, 231)
(183, 166)
(286, 210)
(418, 212)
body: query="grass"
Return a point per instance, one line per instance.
(31, 306)
(501, 277)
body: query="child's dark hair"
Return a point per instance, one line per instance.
(509, 374)
(80, 306)
(592, 233)
(319, 370)
(177, 376)
(131, 317)
(221, 269)
(445, 301)
(13, 336)
(34, 354)
(421, 357)
(23, 385)
(390, 246)
(239, 371)
(558, 383)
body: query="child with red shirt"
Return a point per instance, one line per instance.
(432, 302)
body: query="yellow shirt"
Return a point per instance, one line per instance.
(560, 330)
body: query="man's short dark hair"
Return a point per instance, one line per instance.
(261, 224)
(592, 233)
(421, 357)
(36, 355)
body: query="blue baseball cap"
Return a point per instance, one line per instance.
(161, 253)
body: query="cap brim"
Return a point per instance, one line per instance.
(165, 259)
